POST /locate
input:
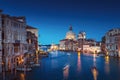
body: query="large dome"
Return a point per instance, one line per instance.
(70, 34)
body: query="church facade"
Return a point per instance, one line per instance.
(79, 43)
(71, 43)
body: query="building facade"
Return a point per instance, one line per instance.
(0, 41)
(91, 46)
(87, 45)
(81, 40)
(32, 39)
(70, 35)
(112, 42)
(14, 40)
(70, 42)
(53, 47)
(103, 45)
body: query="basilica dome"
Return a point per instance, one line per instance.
(70, 34)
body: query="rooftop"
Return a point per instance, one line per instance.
(30, 27)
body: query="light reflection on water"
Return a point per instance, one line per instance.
(54, 63)
(94, 68)
(75, 66)
(95, 73)
(94, 59)
(66, 72)
(78, 63)
(107, 68)
(22, 76)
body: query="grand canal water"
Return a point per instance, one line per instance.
(74, 66)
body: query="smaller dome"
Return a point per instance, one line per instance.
(81, 35)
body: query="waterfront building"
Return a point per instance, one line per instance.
(87, 45)
(103, 46)
(92, 49)
(70, 35)
(62, 44)
(112, 42)
(70, 42)
(91, 46)
(0, 41)
(81, 40)
(32, 39)
(53, 47)
(82, 35)
(14, 41)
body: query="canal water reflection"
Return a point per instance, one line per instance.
(22, 76)
(73, 66)
(66, 72)
(94, 68)
(79, 62)
(107, 68)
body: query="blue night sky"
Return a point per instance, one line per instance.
(53, 17)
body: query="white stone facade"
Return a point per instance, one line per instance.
(70, 34)
(32, 38)
(69, 43)
(62, 45)
(80, 44)
(33, 30)
(14, 39)
(112, 42)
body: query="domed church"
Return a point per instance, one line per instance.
(79, 43)
(69, 43)
(70, 34)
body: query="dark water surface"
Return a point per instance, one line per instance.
(74, 66)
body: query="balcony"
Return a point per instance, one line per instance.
(24, 51)
(17, 41)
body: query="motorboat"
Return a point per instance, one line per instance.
(36, 64)
(66, 67)
(68, 54)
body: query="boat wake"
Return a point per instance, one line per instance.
(66, 67)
